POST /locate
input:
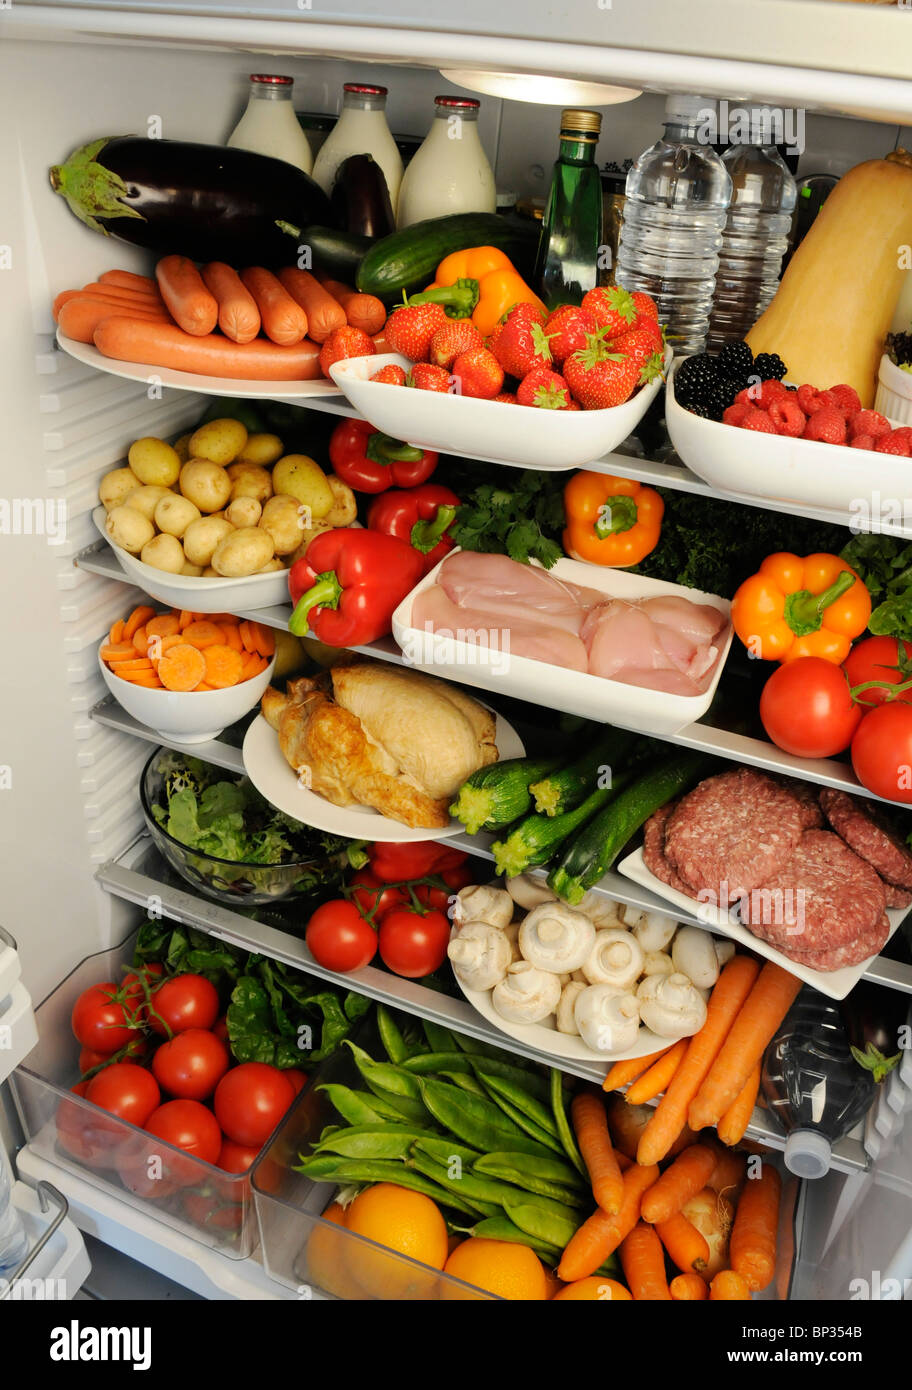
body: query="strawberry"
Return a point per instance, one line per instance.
(598, 377)
(507, 397)
(613, 308)
(410, 328)
(428, 377)
(456, 336)
(862, 441)
(811, 400)
(521, 345)
(755, 419)
(847, 400)
(893, 443)
(392, 374)
(643, 344)
(646, 306)
(787, 416)
(869, 422)
(342, 343)
(478, 373)
(566, 328)
(543, 388)
(826, 424)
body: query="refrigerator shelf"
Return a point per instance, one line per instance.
(140, 876)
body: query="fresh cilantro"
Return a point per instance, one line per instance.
(521, 514)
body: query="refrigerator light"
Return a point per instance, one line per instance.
(535, 87)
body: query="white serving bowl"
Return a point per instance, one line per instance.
(894, 392)
(521, 436)
(193, 716)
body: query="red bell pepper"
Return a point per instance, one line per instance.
(371, 461)
(395, 863)
(348, 584)
(419, 515)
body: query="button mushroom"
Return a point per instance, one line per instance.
(694, 955)
(724, 950)
(608, 1019)
(525, 994)
(671, 1006)
(512, 934)
(616, 959)
(529, 892)
(482, 903)
(657, 963)
(480, 955)
(556, 938)
(604, 912)
(566, 1021)
(654, 931)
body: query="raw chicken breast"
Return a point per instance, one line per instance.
(508, 591)
(700, 622)
(434, 612)
(626, 644)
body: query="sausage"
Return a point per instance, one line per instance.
(182, 288)
(239, 317)
(324, 314)
(284, 321)
(80, 317)
(124, 292)
(128, 280)
(158, 344)
(364, 311)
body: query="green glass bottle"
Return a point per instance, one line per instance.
(567, 262)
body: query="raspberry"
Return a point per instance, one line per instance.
(736, 413)
(869, 422)
(767, 392)
(758, 420)
(862, 441)
(812, 400)
(890, 444)
(826, 424)
(847, 400)
(903, 432)
(787, 416)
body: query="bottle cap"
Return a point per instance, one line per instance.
(271, 80)
(364, 89)
(582, 122)
(458, 103)
(808, 1153)
(683, 110)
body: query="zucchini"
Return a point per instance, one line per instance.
(498, 793)
(562, 790)
(537, 838)
(408, 259)
(590, 854)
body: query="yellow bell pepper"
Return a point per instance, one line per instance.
(611, 521)
(801, 606)
(480, 283)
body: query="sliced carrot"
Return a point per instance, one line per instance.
(203, 686)
(203, 634)
(251, 666)
(263, 639)
(165, 625)
(223, 666)
(182, 668)
(140, 640)
(141, 663)
(137, 618)
(111, 651)
(145, 678)
(247, 637)
(232, 636)
(117, 632)
(186, 618)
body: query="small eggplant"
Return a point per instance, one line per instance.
(360, 198)
(873, 1017)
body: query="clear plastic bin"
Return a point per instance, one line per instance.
(191, 1196)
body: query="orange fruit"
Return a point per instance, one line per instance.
(407, 1223)
(595, 1289)
(500, 1267)
(553, 1284)
(325, 1256)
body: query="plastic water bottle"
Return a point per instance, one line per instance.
(677, 197)
(812, 1083)
(756, 233)
(14, 1241)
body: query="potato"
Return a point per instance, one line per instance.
(129, 528)
(248, 480)
(174, 514)
(219, 441)
(146, 498)
(244, 511)
(201, 538)
(243, 552)
(115, 487)
(274, 564)
(207, 486)
(182, 447)
(261, 449)
(344, 509)
(310, 534)
(297, 475)
(284, 518)
(210, 573)
(192, 571)
(163, 552)
(153, 461)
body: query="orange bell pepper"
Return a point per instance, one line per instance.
(611, 521)
(480, 283)
(801, 606)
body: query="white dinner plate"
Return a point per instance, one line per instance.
(834, 983)
(277, 781)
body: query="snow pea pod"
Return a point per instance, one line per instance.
(440, 1039)
(528, 1081)
(466, 1083)
(520, 1098)
(475, 1047)
(521, 1119)
(356, 1107)
(387, 1075)
(545, 1220)
(564, 1128)
(502, 1228)
(474, 1120)
(393, 1042)
(372, 1141)
(439, 1061)
(444, 1150)
(344, 1171)
(474, 1192)
(510, 1168)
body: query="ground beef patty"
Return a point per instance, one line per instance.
(866, 830)
(823, 897)
(896, 897)
(654, 856)
(865, 945)
(806, 796)
(737, 829)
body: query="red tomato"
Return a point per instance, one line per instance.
(147, 1171)
(220, 1029)
(412, 944)
(135, 1053)
(189, 1126)
(137, 982)
(125, 1090)
(882, 752)
(210, 1210)
(101, 1019)
(184, 1001)
(191, 1065)
(297, 1078)
(439, 898)
(372, 894)
(236, 1158)
(806, 708)
(85, 1135)
(877, 659)
(250, 1100)
(339, 937)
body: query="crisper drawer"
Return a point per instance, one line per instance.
(18, 1031)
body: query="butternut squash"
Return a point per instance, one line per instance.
(832, 311)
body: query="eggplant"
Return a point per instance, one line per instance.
(873, 1017)
(360, 197)
(208, 202)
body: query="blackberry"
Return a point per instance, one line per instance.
(899, 348)
(704, 411)
(769, 366)
(695, 378)
(736, 360)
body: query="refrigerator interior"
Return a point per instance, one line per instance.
(72, 804)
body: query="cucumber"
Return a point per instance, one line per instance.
(589, 856)
(562, 790)
(499, 793)
(536, 839)
(407, 260)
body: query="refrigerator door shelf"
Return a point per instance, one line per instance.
(10, 965)
(18, 1032)
(61, 1266)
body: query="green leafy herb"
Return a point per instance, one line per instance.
(885, 565)
(520, 515)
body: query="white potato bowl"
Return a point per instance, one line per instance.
(187, 716)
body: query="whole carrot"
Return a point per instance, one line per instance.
(728, 1286)
(727, 1178)
(590, 1124)
(657, 1078)
(752, 1250)
(622, 1072)
(733, 1124)
(601, 1235)
(729, 994)
(766, 1006)
(643, 1263)
(688, 1248)
(684, 1179)
(688, 1288)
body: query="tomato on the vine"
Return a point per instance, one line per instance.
(807, 708)
(374, 896)
(125, 1090)
(414, 944)
(439, 898)
(878, 659)
(102, 1018)
(250, 1100)
(184, 1001)
(191, 1064)
(882, 752)
(339, 938)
